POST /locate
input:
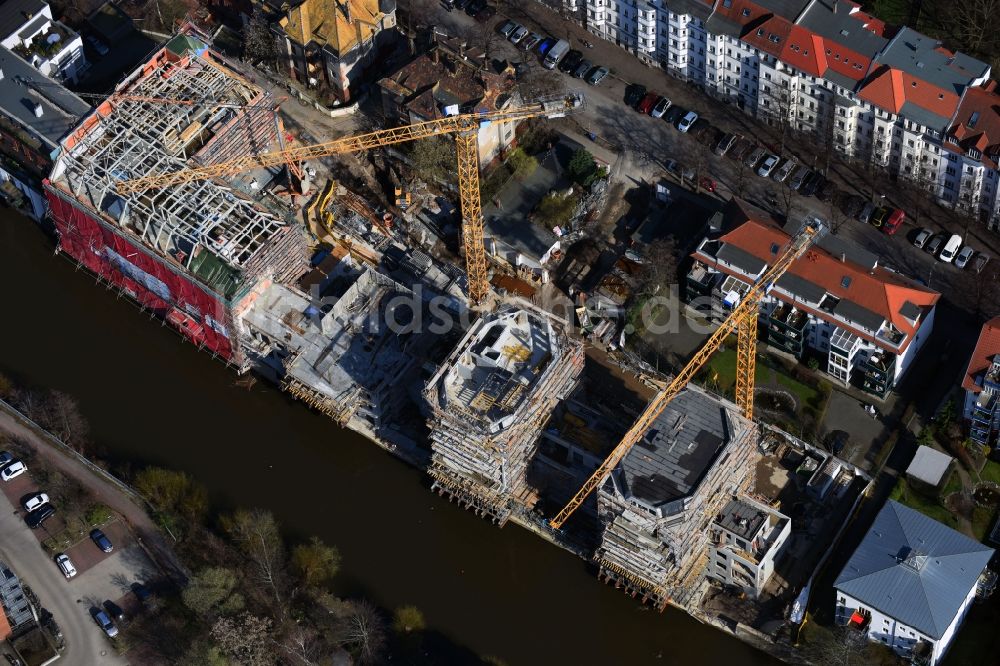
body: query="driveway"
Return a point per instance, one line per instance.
(85, 644)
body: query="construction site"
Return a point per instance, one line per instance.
(183, 192)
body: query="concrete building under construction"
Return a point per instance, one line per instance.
(659, 504)
(490, 400)
(191, 252)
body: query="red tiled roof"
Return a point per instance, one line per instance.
(804, 50)
(884, 89)
(881, 290)
(985, 136)
(890, 88)
(845, 61)
(982, 357)
(760, 32)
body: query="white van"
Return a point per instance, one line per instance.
(950, 248)
(556, 54)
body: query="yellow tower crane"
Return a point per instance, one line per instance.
(742, 320)
(465, 127)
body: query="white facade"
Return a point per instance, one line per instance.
(50, 47)
(746, 560)
(900, 637)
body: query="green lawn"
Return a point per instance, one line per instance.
(925, 504)
(953, 485)
(982, 521)
(723, 365)
(990, 472)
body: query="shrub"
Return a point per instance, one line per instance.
(97, 514)
(813, 363)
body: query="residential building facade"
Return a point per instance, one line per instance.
(331, 43)
(885, 96)
(982, 387)
(747, 538)
(910, 582)
(28, 29)
(866, 321)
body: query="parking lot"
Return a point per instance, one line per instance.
(100, 576)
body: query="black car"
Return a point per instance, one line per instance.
(634, 92)
(570, 62)
(674, 114)
(812, 182)
(475, 7)
(39, 516)
(102, 541)
(486, 13)
(141, 592)
(461, 4)
(852, 205)
(114, 610)
(827, 191)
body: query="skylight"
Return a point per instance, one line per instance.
(746, 12)
(774, 248)
(845, 281)
(973, 119)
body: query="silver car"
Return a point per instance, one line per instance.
(767, 166)
(964, 255)
(922, 237)
(784, 171)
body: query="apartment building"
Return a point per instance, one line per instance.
(886, 96)
(910, 583)
(982, 386)
(747, 538)
(28, 29)
(837, 303)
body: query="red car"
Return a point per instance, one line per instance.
(707, 184)
(647, 103)
(894, 221)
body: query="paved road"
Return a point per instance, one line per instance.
(85, 643)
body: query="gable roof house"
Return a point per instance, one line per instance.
(910, 583)
(331, 42)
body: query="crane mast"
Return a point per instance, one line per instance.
(743, 320)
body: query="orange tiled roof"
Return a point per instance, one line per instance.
(805, 51)
(333, 23)
(982, 357)
(760, 30)
(890, 88)
(880, 290)
(985, 135)
(5, 630)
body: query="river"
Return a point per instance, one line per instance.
(152, 399)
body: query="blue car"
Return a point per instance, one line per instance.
(102, 541)
(545, 45)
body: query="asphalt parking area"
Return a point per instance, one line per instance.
(103, 576)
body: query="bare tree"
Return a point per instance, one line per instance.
(740, 179)
(246, 638)
(975, 24)
(365, 631)
(65, 421)
(256, 533)
(659, 267)
(788, 198)
(303, 643)
(778, 110)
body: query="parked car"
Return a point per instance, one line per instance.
(755, 156)
(582, 69)
(673, 168)
(506, 29)
(570, 61)
(866, 212)
(39, 516)
(699, 128)
(520, 32)
(597, 75)
(141, 592)
(647, 103)
(878, 218)
(546, 44)
(767, 166)
(96, 44)
(65, 565)
(634, 93)
(852, 205)
(530, 42)
(784, 171)
(739, 149)
(660, 107)
(811, 183)
(685, 123)
(485, 14)
(5, 458)
(674, 114)
(950, 249)
(707, 184)
(895, 220)
(979, 263)
(474, 7)
(725, 143)
(35, 500)
(104, 622)
(13, 470)
(964, 256)
(114, 610)
(798, 177)
(934, 244)
(922, 237)
(101, 539)
(462, 4)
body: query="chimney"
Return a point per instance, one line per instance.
(436, 54)
(38, 110)
(834, 6)
(843, 257)
(1, 75)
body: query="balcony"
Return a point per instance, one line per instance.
(46, 44)
(790, 317)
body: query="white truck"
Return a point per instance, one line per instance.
(555, 54)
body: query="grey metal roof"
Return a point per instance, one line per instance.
(12, 598)
(861, 315)
(929, 465)
(841, 80)
(790, 9)
(800, 287)
(915, 54)
(910, 310)
(920, 115)
(740, 258)
(742, 519)
(15, 13)
(677, 451)
(840, 247)
(820, 18)
(694, 8)
(913, 569)
(23, 86)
